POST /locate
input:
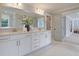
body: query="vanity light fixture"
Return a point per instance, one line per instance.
(39, 11)
(19, 4)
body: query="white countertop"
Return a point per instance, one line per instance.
(19, 32)
(12, 33)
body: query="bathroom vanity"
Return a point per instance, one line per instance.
(23, 43)
(13, 40)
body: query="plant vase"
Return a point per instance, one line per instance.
(28, 27)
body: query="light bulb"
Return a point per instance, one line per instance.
(19, 4)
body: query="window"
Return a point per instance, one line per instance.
(4, 20)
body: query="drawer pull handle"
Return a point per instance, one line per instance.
(35, 46)
(17, 43)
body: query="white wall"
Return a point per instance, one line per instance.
(68, 20)
(76, 23)
(58, 28)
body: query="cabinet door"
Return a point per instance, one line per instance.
(48, 37)
(42, 40)
(8, 48)
(45, 39)
(25, 45)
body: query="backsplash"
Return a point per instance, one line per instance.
(9, 29)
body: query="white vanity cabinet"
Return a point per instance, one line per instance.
(48, 37)
(14, 45)
(45, 38)
(35, 41)
(8, 47)
(25, 45)
(40, 39)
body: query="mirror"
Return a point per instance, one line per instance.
(4, 22)
(10, 18)
(41, 22)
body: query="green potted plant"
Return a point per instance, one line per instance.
(27, 21)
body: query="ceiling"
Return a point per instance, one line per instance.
(53, 7)
(50, 8)
(10, 10)
(73, 16)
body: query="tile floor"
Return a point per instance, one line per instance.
(58, 49)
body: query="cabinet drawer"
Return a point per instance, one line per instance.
(21, 36)
(35, 36)
(4, 37)
(35, 40)
(35, 43)
(16, 36)
(36, 46)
